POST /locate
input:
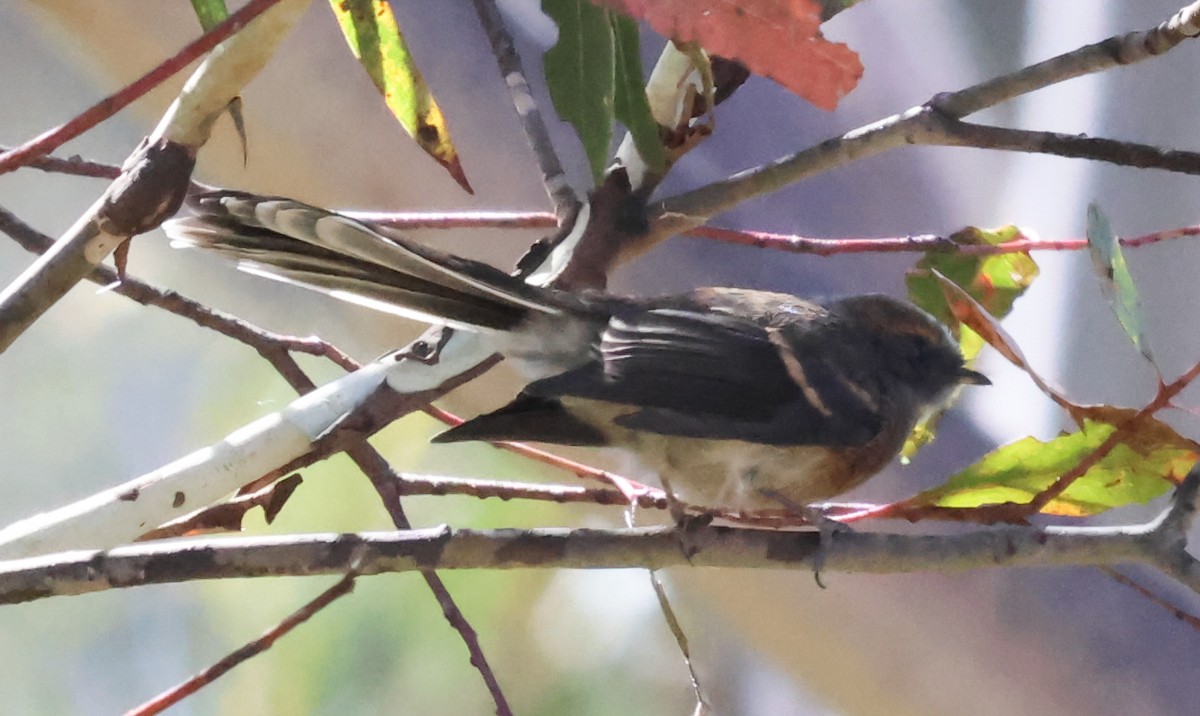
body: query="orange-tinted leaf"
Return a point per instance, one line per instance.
(967, 311)
(1136, 471)
(374, 37)
(994, 281)
(780, 40)
(1144, 435)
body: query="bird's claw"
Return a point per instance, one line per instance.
(827, 528)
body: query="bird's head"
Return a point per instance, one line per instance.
(911, 346)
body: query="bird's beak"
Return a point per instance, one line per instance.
(966, 376)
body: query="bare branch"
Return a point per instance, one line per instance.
(50, 140)
(174, 695)
(154, 178)
(411, 484)
(929, 124)
(558, 548)
(1125, 49)
(566, 202)
(681, 640)
(147, 294)
(386, 483)
(923, 243)
(1112, 151)
(1143, 591)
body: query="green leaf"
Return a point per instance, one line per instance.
(994, 281)
(829, 8)
(629, 101)
(375, 39)
(1116, 283)
(1137, 470)
(581, 74)
(210, 12)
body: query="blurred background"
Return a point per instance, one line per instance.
(101, 390)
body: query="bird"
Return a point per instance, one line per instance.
(740, 400)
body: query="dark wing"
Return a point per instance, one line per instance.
(528, 417)
(718, 376)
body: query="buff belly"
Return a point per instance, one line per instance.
(741, 476)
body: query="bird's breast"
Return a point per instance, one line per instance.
(741, 476)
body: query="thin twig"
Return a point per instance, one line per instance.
(566, 202)
(1123, 579)
(52, 139)
(928, 124)
(76, 165)
(792, 243)
(413, 484)
(1071, 146)
(923, 243)
(154, 177)
(178, 693)
(274, 348)
(681, 640)
(386, 483)
(147, 294)
(1166, 392)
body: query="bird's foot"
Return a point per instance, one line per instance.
(827, 529)
(689, 528)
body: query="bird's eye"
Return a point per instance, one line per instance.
(913, 346)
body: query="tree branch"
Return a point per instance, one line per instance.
(1112, 151)
(178, 693)
(52, 139)
(1124, 49)
(922, 243)
(156, 175)
(148, 294)
(1161, 542)
(558, 548)
(566, 201)
(932, 123)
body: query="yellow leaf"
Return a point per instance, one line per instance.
(375, 39)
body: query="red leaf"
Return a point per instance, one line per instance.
(780, 39)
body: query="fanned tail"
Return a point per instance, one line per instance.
(290, 241)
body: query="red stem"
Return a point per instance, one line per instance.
(52, 139)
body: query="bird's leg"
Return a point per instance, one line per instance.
(674, 506)
(826, 527)
(686, 525)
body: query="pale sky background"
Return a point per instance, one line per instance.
(101, 390)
